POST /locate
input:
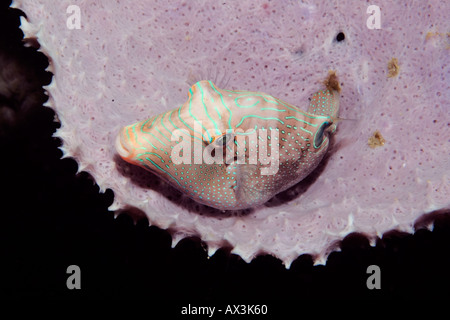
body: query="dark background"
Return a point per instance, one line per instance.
(52, 217)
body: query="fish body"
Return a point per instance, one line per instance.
(232, 149)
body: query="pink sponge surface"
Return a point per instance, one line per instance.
(134, 59)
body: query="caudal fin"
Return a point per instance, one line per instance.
(326, 102)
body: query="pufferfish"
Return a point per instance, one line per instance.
(233, 149)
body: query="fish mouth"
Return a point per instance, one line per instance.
(122, 147)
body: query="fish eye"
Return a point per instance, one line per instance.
(223, 139)
(318, 139)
